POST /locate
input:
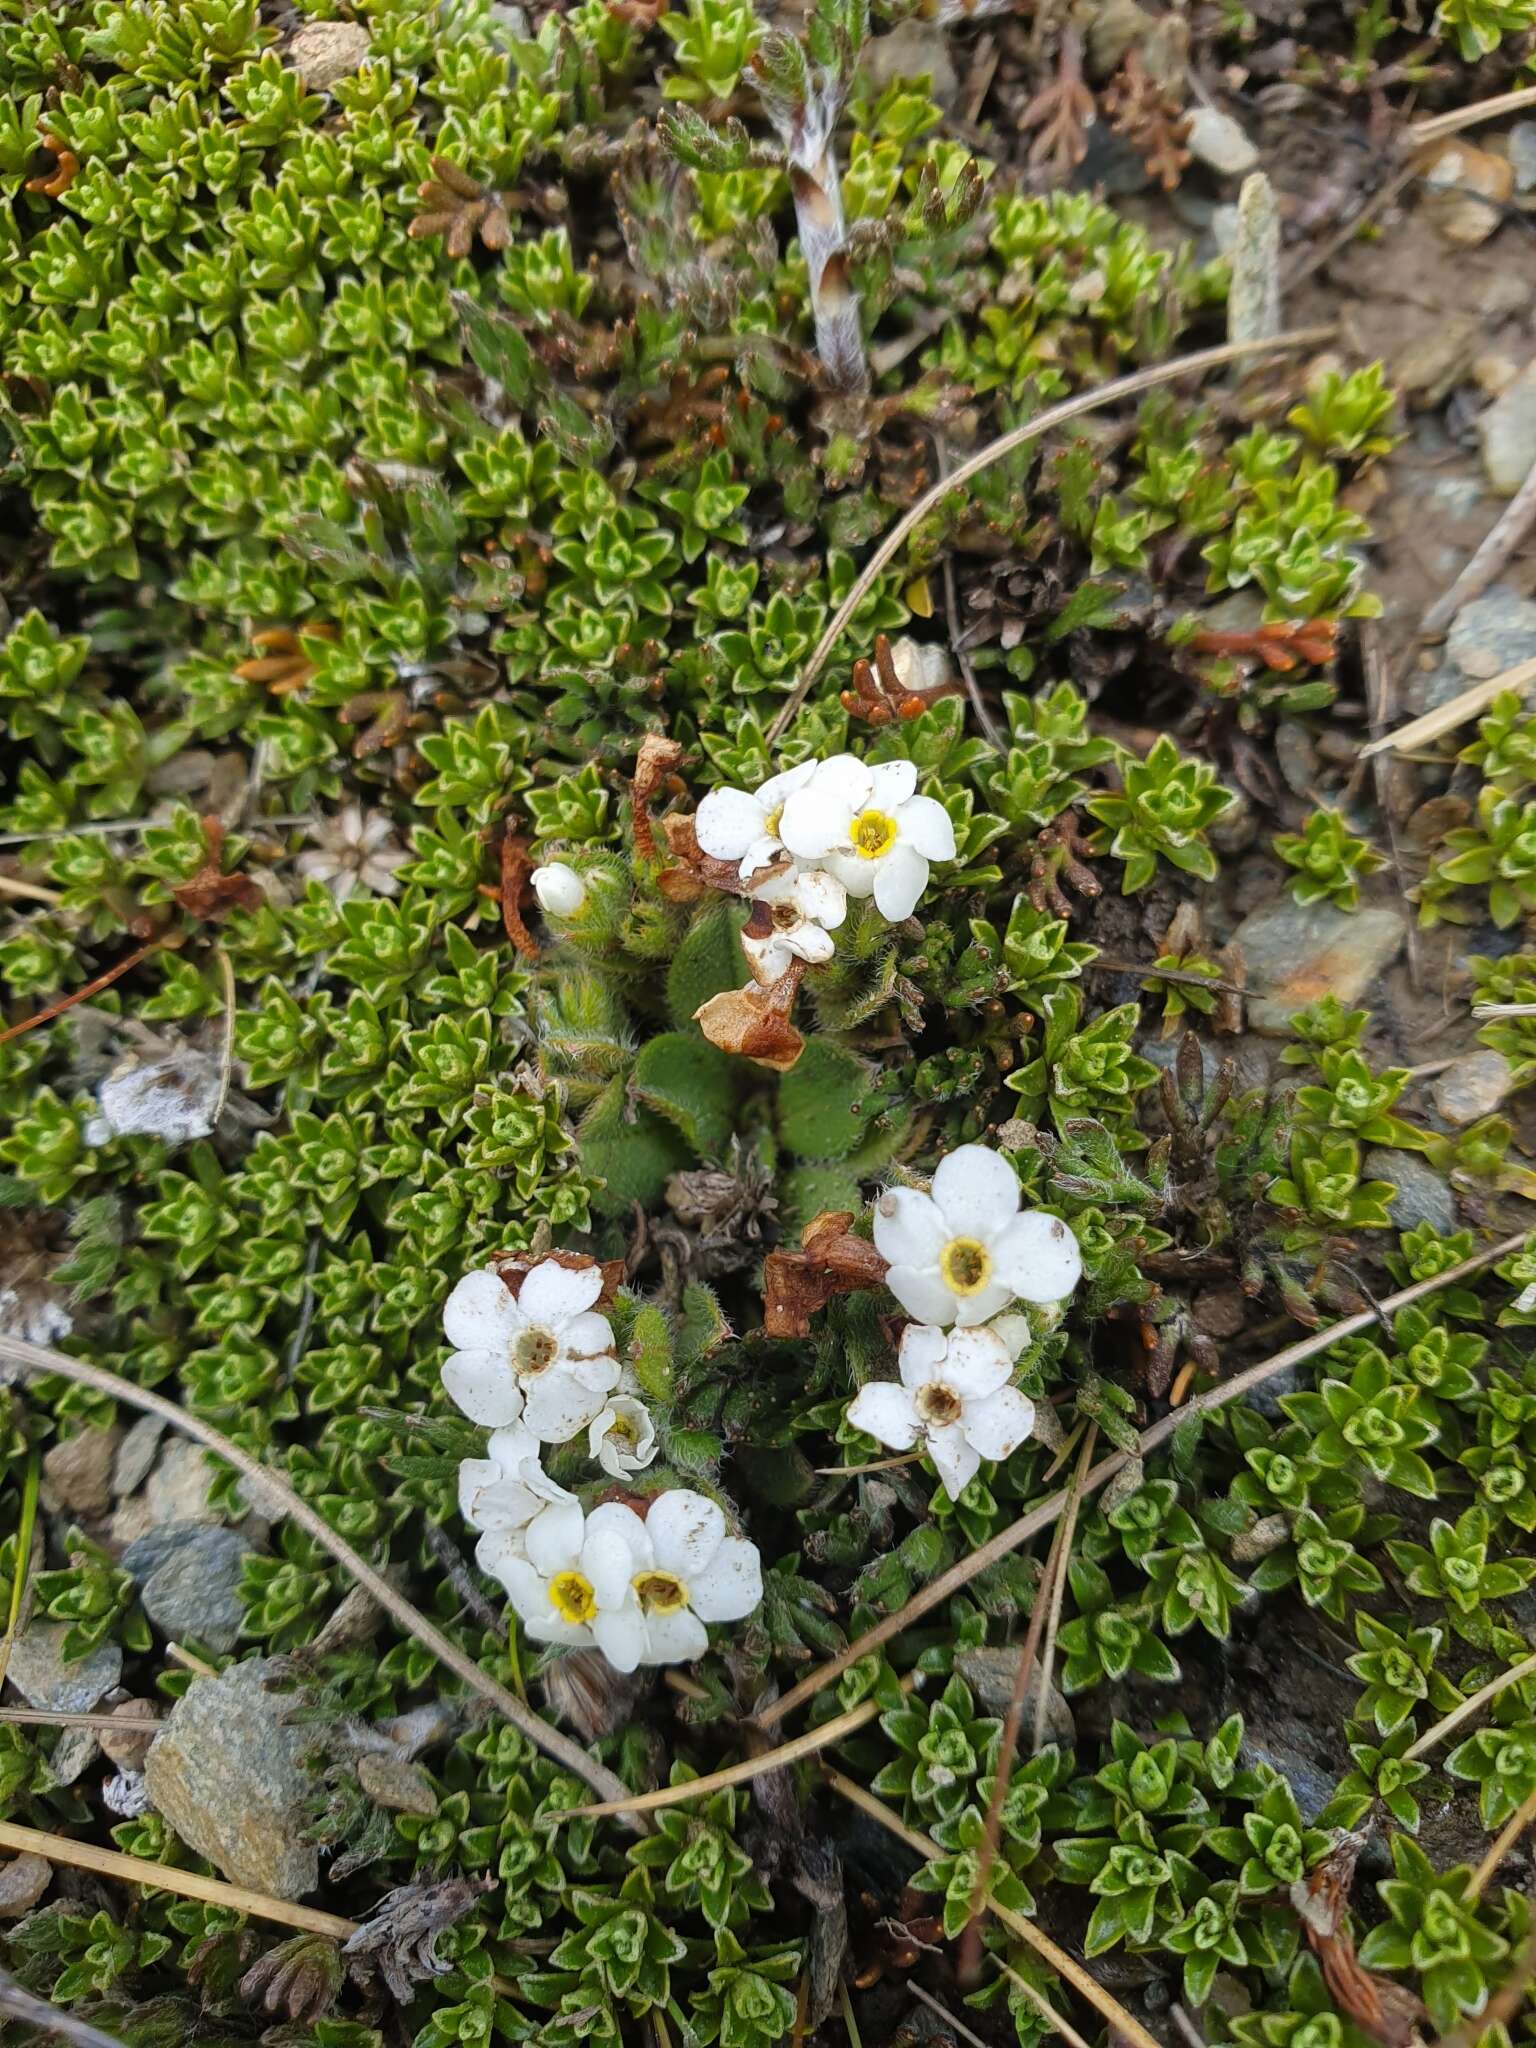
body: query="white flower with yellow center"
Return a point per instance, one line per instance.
(501, 1493)
(953, 1399)
(695, 1573)
(545, 1359)
(803, 907)
(963, 1252)
(622, 1436)
(867, 827)
(742, 825)
(572, 1580)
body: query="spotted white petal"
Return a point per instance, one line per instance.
(484, 1387)
(997, 1425)
(588, 1335)
(728, 821)
(923, 1350)
(1038, 1257)
(886, 1412)
(977, 1191)
(480, 1315)
(891, 784)
(955, 1461)
(926, 825)
(677, 1638)
(553, 1294)
(901, 876)
(730, 1585)
(976, 1364)
(558, 1406)
(685, 1531)
(909, 1228)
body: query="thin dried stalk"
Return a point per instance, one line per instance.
(1066, 1529)
(1505, 535)
(49, 2022)
(1504, 1009)
(1436, 125)
(1104, 2002)
(1041, 1516)
(1503, 1842)
(1446, 718)
(1193, 365)
(39, 1358)
(1450, 1722)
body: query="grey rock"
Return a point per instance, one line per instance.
(1423, 1196)
(73, 1754)
(1296, 953)
(1219, 141)
(992, 1675)
(324, 51)
(1313, 1788)
(1224, 225)
(913, 49)
(189, 1576)
(1507, 431)
(129, 1749)
(22, 1883)
(39, 1673)
(1253, 298)
(78, 1472)
(135, 1455)
(1472, 1086)
(1491, 634)
(227, 1773)
(177, 1491)
(1522, 155)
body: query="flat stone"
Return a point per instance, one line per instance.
(1253, 297)
(1507, 432)
(1472, 1086)
(73, 1754)
(39, 1673)
(189, 1579)
(22, 1883)
(1521, 142)
(324, 51)
(1296, 953)
(1465, 189)
(1491, 634)
(135, 1454)
(992, 1674)
(78, 1472)
(1423, 1196)
(227, 1773)
(129, 1749)
(1220, 142)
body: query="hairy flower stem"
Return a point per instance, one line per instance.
(823, 239)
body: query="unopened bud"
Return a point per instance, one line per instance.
(560, 890)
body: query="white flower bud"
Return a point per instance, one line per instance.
(560, 890)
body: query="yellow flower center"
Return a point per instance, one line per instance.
(660, 1592)
(623, 1427)
(534, 1351)
(938, 1404)
(771, 822)
(873, 833)
(965, 1265)
(572, 1597)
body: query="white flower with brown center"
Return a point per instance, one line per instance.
(799, 910)
(869, 828)
(622, 1436)
(742, 825)
(544, 1359)
(356, 849)
(953, 1399)
(501, 1493)
(963, 1253)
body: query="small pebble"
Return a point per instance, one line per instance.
(1217, 140)
(1465, 191)
(324, 51)
(22, 1883)
(1472, 1086)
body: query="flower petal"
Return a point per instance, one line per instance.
(731, 1586)
(984, 1304)
(599, 1375)
(552, 1541)
(853, 875)
(817, 817)
(1038, 1257)
(587, 1336)
(526, 1586)
(1014, 1331)
(480, 1315)
(768, 958)
(674, 1638)
(555, 1294)
(955, 1461)
(977, 1364)
(557, 1406)
(608, 1557)
(909, 1228)
(977, 1192)
(484, 1387)
(900, 880)
(891, 784)
(496, 1553)
(922, 1294)
(925, 824)
(997, 1426)
(887, 1413)
(727, 822)
(778, 789)
(821, 896)
(685, 1531)
(621, 1636)
(923, 1350)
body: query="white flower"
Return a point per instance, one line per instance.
(743, 825)
(804, 906)
(501, 1493)
(545, 1359)
(954, 1399)
(964, 1252)
(866, 826)
(622, 1437)
(354, 850)
(640, 1590)
(560, 890)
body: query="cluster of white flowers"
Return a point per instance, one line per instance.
(540, 1368)
(958, 1258)
(815, 836)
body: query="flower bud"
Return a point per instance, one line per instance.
(560, 890)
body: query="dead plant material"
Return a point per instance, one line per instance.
(1433, 725)
(49, 2022)
(1280, 644)
(83, 994)
(880, 696)
(211, 894)
(55, 183)
(516, 866)
(1385, 2010)
(1062, 113)
(657, 758)
(457, 207)
(399, 1937)
(513, 1269)
(282, 666)
(754, 1022)
(298, 1980)
(1059, 856)
(831, 1260)
(1146, 114)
